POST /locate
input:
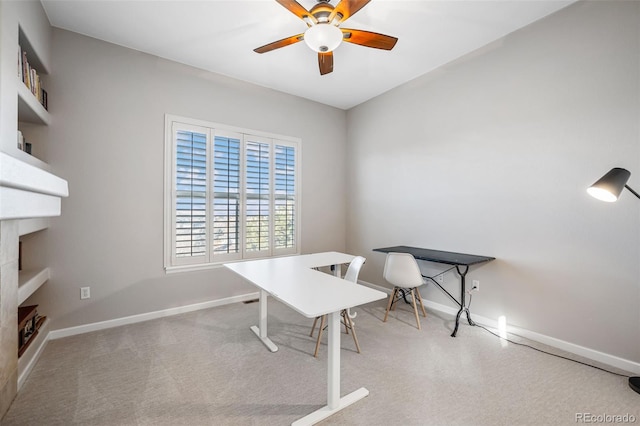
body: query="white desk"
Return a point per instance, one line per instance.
(311, 293)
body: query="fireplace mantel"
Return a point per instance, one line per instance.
(27, 191)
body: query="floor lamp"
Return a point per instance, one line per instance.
(608, 188)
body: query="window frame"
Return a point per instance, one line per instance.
(211, 259)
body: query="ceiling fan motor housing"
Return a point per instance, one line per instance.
(322, 10)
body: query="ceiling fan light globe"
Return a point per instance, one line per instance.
(323, 37)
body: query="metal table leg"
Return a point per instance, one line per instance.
(261, 329)
(463, 307)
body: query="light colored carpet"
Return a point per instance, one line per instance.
(208, 368)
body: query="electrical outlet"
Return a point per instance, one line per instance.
(476, 285)
(85, 293)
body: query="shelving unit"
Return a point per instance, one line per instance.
(29, 109)
(34, 58)
(32, 353)
(30, 159)
(29, 191)
(28, 327)
(29, 226)
(29, 281)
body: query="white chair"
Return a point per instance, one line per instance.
(347, 318)
(401, 270)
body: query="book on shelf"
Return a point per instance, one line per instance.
(29, 322)
(20, 141)
(31, 78)
(23, 145)
(20, 63)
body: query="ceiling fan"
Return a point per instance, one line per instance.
(324, 34)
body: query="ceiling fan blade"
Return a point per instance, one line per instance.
(280, 43)
(347, 8)
(368, 39)
(325, 60)
(296, 8)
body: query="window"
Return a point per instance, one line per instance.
(230, 194)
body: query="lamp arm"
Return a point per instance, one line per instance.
(632, 191)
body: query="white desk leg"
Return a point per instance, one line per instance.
(261, 329)
(334, 402)
(333, 361)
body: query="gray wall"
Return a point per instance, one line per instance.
(492, 155)
(107, 139)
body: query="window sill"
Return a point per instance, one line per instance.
(191, 268)
(216, 265)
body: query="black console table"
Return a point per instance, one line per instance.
(460, 261)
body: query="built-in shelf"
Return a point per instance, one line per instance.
(31, 160)
(33, 56)
(32, 353)
(29, 226)
(29, 109)
(29, 281)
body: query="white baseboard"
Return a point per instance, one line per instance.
(72, 331)
(612, 360)
(375, 286)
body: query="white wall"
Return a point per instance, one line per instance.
(108, 104)
(492, 154)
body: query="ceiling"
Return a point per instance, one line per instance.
(220, 36)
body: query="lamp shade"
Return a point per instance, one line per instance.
(323, 37)
(609, 186)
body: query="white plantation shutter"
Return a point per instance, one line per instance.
(285, 197)
(226, 195)
(257, 197)
(230, 194)
(190, 195)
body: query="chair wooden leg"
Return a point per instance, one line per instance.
(415, 308)
(397, 296)
(424, 313)
(353, 332)
(322, 321)
(393, 295)
(344, 315)
(313, 327)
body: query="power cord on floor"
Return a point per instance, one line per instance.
(540, 350)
